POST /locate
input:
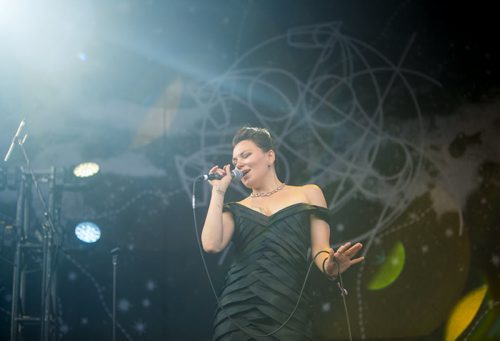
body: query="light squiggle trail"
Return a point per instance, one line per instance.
(337, 95)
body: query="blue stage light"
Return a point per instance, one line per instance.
(88, 232)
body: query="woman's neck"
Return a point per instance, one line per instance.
(268, 184)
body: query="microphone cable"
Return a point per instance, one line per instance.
(245, 330)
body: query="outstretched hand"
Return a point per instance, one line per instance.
(345, 258)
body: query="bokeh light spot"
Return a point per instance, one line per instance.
(464, 312)
(390, 270)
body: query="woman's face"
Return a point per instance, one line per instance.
(252, 161)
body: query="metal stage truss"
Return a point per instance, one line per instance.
(36, 248)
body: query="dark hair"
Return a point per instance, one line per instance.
(260, 136)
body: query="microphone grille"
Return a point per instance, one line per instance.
(237, 174)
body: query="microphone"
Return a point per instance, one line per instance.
(11, 147)
(236, 174)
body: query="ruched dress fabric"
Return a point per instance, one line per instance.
(264, 280)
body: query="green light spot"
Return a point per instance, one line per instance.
(390, 270)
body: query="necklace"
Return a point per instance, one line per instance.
(266, 194)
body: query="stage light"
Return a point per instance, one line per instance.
(88, 232)
(82, 56)
(464, 313)
(86, 169)
(390, 270)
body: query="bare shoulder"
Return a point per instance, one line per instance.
(314, 194)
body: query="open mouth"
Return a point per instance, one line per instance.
(245, 172)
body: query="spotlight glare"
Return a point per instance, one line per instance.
(86, 169)
(82, 56)
(87, 232)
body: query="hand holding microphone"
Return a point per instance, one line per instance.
(217, 173)
(220, 178)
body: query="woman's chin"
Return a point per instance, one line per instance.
(247, 183)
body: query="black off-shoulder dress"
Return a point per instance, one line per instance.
(265, 278)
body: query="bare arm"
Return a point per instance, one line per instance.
(320, 239)
(219, 226)
(320, 230)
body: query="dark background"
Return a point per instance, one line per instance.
(392, 107)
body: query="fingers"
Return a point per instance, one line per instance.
(344, 248)
(354, 249)
(214, 169)
(357, 260)
(221, 171)
(227, 168)
(347, 251)
(343, 256)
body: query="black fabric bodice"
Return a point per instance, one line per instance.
(264, 280)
